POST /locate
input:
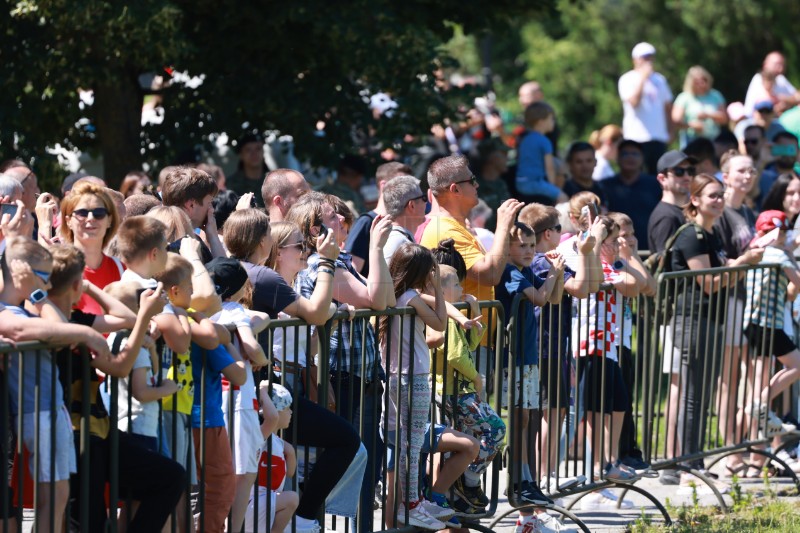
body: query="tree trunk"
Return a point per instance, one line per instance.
(118, 114)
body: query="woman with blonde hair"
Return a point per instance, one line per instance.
(177, 221)
(699, 111)
(89, 220)
(605, 142)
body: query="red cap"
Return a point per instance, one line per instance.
(769, 220)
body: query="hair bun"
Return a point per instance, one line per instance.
(447, 245)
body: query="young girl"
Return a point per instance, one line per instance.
(415, 274)
(231, 280)
(536, 170)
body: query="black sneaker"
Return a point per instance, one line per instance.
(473, 495)
(531, 493)
(641, 468)
(670, 477)
(464, 509)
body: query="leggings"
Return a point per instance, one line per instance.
(321, 428)
(415, 433)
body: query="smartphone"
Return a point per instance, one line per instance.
(175, 246)
(323, 229)
(766, 239)
(588, 214)
(11, 209)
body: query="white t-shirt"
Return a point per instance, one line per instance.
(234, 314)
(485, 236)
(400, 360)
(602, 169)
(757, 93)
(397, 237)
(647, 121)
(143, 416)
(295, 336)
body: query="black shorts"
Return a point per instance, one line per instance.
(598, 394)
(758, 338)
(554, 386)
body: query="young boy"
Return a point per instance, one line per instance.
(231, 280)
(518, 278)
(536, 169)
(56, 461)
(278, 462)
(207, 343)
(473, 416)
(154, 481)
(768, 292)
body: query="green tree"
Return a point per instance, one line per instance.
(282, 65)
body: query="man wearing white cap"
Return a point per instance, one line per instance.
(646, 104)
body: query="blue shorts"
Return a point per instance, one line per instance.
(438, 429)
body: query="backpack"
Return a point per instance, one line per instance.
(662, 262)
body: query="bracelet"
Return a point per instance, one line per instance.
(326, 270)
(327, 262)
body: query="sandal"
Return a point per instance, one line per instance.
(740, 470)
(755, 472)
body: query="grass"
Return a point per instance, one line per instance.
(764, 513)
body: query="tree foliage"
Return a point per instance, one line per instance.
(282, 65)
(579, 52)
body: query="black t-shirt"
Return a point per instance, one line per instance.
(664, 222)
(357, 242)
(571, 188)
(637, 200)
(692, 242)
(271, 293)
(735, 228)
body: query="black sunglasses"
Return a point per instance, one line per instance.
(473, 181)
(751, 141)
(99, 213)
(680, 172)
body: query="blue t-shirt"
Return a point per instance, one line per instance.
(555, 329)
(216, 360)
(513, 282)
(531, 170)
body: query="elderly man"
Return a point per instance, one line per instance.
(30, 185)
(280, 190)
(646, 105)
(771, 85)
(358, 239)
(405, 202)
(455, 188)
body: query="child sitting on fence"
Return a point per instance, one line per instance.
(231, 281)
(768, 290)
(415, 274)
(461, 388)
(277, 462)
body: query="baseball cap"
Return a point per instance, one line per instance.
(764, 105)
(642, 50)
(769, 220)
(672, 159)
(280, 396)
(228, 275)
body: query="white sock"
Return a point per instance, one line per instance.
(305, 523)
(471, 479)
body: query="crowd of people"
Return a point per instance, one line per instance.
(172, 287)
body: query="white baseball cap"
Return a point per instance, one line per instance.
(642, 50)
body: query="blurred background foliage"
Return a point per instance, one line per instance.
(291, 66)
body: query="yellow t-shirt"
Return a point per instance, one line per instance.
(185, 382)
(466, 243)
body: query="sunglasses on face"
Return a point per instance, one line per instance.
(98, 213)
(44, 276)
(422, 197)
(472, 180)
(751, 142)
(716, 196)
(680, 172)
(300, 245)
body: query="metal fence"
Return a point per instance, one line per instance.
(683, 359)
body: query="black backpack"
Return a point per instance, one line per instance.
(662, 262)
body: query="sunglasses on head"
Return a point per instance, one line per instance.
(680, 172)
(98, 213)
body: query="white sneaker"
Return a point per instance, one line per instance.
(419, 517)
(551, 484)
(793, 464)
(437, 511)
(604, 500)
(548, 523)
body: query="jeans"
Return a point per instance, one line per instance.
(364, 412)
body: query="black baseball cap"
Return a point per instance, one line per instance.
(672, 159)
(228, 275)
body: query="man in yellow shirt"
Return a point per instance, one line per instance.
(455, 190)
